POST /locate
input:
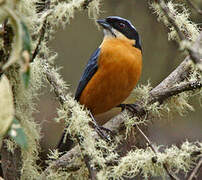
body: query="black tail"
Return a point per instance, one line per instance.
(66, 145)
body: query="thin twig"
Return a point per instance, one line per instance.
(160, 94)
(170, 18)
(87, 159)
(101, 131)
(196, 169)
(67, 161)
(59, 90)
(46, 6)
(194, 53)
(147, 139)
(41, 37)
(42, 5)
(86, 4)
(170, 174)
(91, 170)
(177, 89)
(199, 11)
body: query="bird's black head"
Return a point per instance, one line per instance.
(116, 26)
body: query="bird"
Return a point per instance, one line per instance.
(113, 70)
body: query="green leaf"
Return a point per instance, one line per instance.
(17, 46)
(21, 48)
(16, 132)
(6, 105)
(26, 77)
(26, 55)
(26, 38)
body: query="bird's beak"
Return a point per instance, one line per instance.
(104, 24)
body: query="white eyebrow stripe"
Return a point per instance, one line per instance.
(131, 25)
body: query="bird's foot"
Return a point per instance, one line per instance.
(103, 132)
(108, 131)
(130, 107)
(133, 108)
(122, 106)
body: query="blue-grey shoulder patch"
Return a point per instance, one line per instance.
(88, 73)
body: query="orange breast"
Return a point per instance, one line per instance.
(119, 69)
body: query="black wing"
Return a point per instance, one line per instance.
(89, 71)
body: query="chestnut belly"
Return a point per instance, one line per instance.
(110, 86)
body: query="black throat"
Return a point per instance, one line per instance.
(137, 43)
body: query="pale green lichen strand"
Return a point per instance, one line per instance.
(182, 19)
(24, 107)
(61, 13)
(77, 117)
(140, 161)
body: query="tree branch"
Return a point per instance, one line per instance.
(162, 94)
(115, 124)
(170, 174)
(199, 11)
(11, 162)
(86, 4)
(194, 52)
(170, 18)
(41, 37)
(167, 88)
(41, 6)
(67, 162)
(91, 170)
(195, 170)
(59, 90)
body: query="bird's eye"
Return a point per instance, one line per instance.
(122, 25)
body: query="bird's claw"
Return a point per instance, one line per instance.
(103, 132)
(133, 108)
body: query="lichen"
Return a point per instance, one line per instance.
(101, 153)
(182, 19)
(140, 162)
(24, 107)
